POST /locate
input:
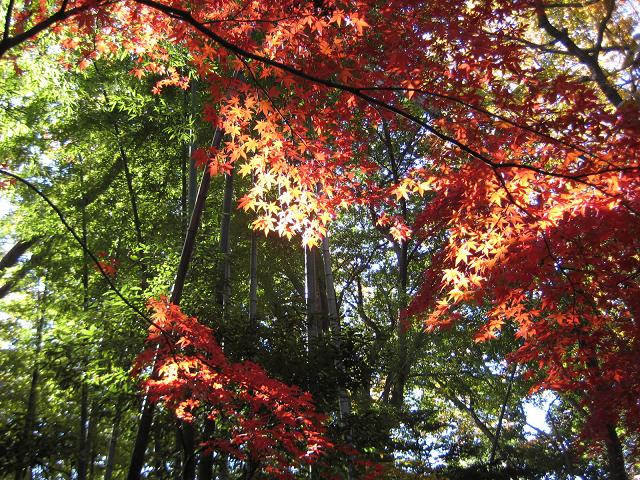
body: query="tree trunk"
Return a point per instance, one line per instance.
(310, 291)
(30, 417)
(252, 326)
(113, 442)
(223, 288)
(310, 297)
(187, 170)
(193, 173)
(494, 446)
(83, 433)
(397, 378)
(615, 455)
(141, 441)
(223, 294)
(403, 366)
(253, 284)
(83, 430)
(159, 469)
(317, 321)
(205, 463)
(187, 437)
(144, 427)
(91, 438)
(344, 402)
(186, 429)
(224, 467)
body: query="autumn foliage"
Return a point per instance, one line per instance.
(532, 177)
(258, 419)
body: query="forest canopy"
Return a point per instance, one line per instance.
(325, 240)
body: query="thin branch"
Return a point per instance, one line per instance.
(124, 161)
(571, 4)
(438, 386)
(83, 245)
(547, 47)
(498, 116)
(188, 18)
(273, 21)
(7, 21)
(265, 92)
(175, 299)
(8, 43)
(611, 5)
(11, 257)
(494, 446)
(589, 61)
(355, 273)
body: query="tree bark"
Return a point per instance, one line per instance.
(13, 255)
(223, 287)
(187, 432)
(253, 284)
(587, 59)
(193, 173)
(186, 429)
(494, 446)
(402, 373)
(344, 402)
(615, 455)
(91, 438)
(83, 433)
(83, 430)
(144, 426)
(223, 294)
(205, 463)
(30, 416)
(113, 441)
(312, 294)
(399, 372)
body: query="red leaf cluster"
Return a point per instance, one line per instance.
(257, 417)
(107, 265)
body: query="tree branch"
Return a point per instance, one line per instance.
(611, 5)
(8, 43)
(82, 244)
(7, 21)
(589, 61)
(11, 257)
(494, 446)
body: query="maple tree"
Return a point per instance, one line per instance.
(531, 177)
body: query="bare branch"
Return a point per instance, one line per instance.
(588, 60)
(11, 257)
(611, 5)
(186, 16)
(7, 21)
